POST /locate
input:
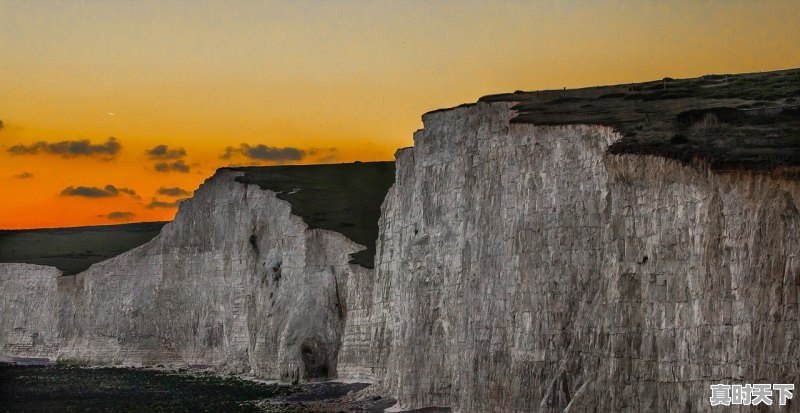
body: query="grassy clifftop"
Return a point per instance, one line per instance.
(742, 122)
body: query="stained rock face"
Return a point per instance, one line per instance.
(519, 268)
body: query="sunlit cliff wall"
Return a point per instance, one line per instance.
(520, 268)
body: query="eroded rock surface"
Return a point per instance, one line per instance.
(521, 268)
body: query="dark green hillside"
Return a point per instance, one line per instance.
(345, 198)
(73, 250)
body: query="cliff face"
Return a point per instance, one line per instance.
(27, 305)
(234, 281)
(521, 268)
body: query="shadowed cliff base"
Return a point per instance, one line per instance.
(732, 122)
(345, 198)
(73, 250)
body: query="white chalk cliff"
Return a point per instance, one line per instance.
(519, 268)
(235, 281)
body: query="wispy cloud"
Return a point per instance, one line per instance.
(69, 149)
(265, 153)
(119, 215)
(155, 203)
(177, 166)
(24, 175)
(165, 152)
(107, 191)
(172, 191)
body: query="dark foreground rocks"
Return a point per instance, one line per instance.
(30, 386)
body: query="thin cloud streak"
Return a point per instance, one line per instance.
(108, 191)
(164, 152)
(69, 149)
(175, 191)
(177, 166)
(119, 215)
(275, 154)
(155, 203)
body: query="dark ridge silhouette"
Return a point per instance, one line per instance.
(73, 250)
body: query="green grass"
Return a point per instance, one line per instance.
(73, 250)
(345, 198)
(67, 362)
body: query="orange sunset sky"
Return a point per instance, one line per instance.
(176, 83)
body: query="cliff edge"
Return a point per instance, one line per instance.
(236, 281)
(524, 268)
